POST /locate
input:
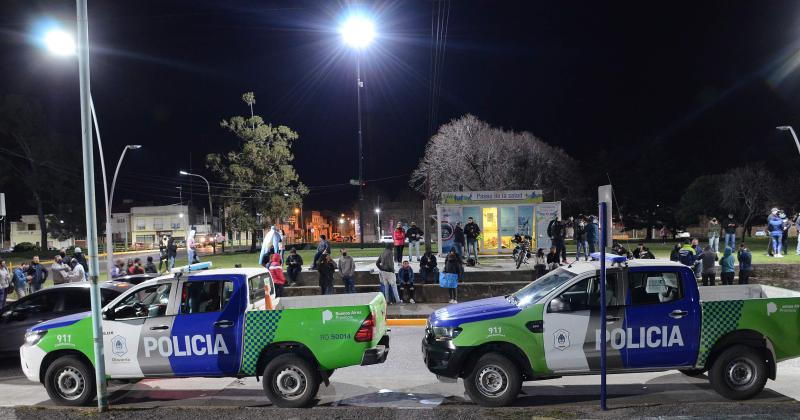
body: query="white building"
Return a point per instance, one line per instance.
(27, 229)
(147, 224)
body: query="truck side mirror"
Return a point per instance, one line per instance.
(560, 305)
(108, 314)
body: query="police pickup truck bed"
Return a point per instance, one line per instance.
(657, 319)
(211, 323)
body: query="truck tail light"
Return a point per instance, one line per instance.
(367, 330)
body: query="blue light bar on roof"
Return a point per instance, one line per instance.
(612, 258)
(192, 267)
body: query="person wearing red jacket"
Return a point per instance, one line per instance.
(399, 237)
(276, 272)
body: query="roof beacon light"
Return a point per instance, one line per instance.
(611, 258)
(191, 267)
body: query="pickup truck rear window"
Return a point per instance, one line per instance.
(256, 286)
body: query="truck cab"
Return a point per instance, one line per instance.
(551, 328)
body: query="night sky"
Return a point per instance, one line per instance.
(648, 92)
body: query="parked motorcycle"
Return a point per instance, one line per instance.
(522, 250)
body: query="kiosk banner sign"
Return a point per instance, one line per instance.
(482, 197)
(449, 216)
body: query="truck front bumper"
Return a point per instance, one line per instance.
(30, 358)
(376, 354)
(442, 357)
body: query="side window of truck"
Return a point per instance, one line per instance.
(654, 287)
(148, 302)
(256, 286)
(585, 294)
(205, 296)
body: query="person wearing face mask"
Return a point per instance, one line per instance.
(347, 267)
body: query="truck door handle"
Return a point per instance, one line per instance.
(223, 324)
(677, 314)
(611, 318)
(159, 327)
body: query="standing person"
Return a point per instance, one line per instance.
(282, 246)
(58, 269)
(322, 247)
(472, 231)
(5, 284)
(592, 234)
(709, 257)
(399, 237)
(459, 240)
(775, 228)
(787, 224)
(276, 272)
(675, 253)
(191, 247)
(405, 278)
(637, 252)
(698, 263)
(713, 233)
(539, 263)
(149, 267)
(326, 267)
(385, 264)
(294, 265)
(118, 270)
(414, 235)
(664, 232)
(797, 227)
(730, 226)
(582, 247)
(78, 255)
(686, 254)
(172, 253)
(21, 280)
(427, 265)
(137, 266)
(38, 274)
(453, 270)
(77, 274)
(727, 263)
(557, 232)
(569, 225)
(162, 253)
(745, 263)
(277, 238)
(347, 266)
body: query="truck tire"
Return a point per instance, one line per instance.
(739, 373)
(70, 381)
(495, 381)
(290, 381)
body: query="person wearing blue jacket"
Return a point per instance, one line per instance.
(21, 280)
(775, 228)
(745, 264)
(726, 263)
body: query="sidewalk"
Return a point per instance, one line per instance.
(416, 310)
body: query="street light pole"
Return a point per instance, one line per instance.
(360, 85)
(210, 209)
(794, 135)
(89, 201)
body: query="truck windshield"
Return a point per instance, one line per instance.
(541, 287)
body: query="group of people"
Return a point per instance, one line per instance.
(582, 229)
(778, 225)
(703, 261)
(467, 238)
(29, 277)
(391, 276)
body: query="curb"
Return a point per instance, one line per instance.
(406, 322)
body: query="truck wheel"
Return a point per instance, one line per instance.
(739, 373)
(290, 381)
(495, 381)
(692, 372)
(70, 381)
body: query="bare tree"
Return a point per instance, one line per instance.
(468, 154)
(748, 192)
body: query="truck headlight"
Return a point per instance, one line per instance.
(33, 337)
(445, 333)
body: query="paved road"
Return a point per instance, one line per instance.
(404, 383)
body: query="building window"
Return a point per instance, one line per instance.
(176, 225)
(158, 224)
(31, 226)
(139, 224)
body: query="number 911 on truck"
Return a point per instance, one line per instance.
(657, 319)
(211, 323)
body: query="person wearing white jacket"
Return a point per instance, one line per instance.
(77, 274)
(5, 282)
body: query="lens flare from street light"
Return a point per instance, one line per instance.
(183, 172)
(357, 31)
(59, 42)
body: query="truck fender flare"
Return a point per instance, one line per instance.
(510, 350)
(54, 355)
(275, 349)
(749, 338)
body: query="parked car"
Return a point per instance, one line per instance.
(761, 233)
(683, 235)
(386, 239)
(46, 304)
(657, 320)
(212, 323)
(135, 278)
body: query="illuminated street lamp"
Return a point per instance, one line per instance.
(794, 135)
(210, 209)
(358, 32)
(378, 212)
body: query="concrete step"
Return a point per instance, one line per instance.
(366, 277)
(425, 293)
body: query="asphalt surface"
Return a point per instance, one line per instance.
(403, 388)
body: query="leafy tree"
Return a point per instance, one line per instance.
(702, 197)
(468, 154)
(261, 184)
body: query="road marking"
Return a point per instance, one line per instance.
(406, 322)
